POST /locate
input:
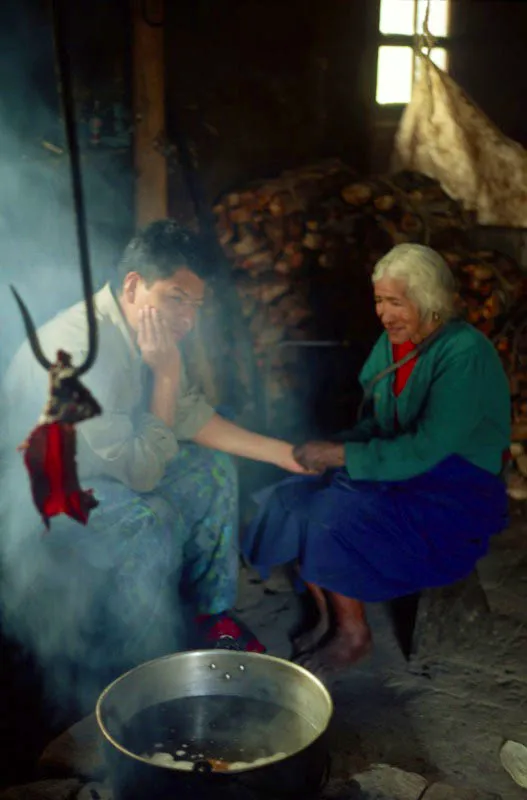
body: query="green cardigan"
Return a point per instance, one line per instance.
(456, 401)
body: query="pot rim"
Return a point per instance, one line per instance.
(246, 656)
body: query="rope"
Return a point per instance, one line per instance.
(425, 41)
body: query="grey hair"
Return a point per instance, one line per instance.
(428, 279)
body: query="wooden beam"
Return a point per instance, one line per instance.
(151, 187)
(151, 190)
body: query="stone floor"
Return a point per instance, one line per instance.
(434, 737)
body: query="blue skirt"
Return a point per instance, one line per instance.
(377, 540)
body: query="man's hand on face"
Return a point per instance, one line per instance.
(158, 347)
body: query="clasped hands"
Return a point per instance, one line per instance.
(318, 456)
(161, 353)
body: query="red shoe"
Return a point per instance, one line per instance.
(223, 632)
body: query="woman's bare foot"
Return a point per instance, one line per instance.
(307, 641)
(342, 650)
(310, 638)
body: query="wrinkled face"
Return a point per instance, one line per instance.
(398, 314)
(177, 298)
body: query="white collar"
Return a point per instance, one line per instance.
(108, 306)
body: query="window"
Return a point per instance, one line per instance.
(400, 21)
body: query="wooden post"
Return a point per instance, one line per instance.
(151, 192)
(151, 187)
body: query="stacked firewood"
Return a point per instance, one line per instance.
(303, 247)
(511, 342)
(271, 233)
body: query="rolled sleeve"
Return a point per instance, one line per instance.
(192, 414)
(136, 455)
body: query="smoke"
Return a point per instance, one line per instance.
(38, 251)
(42, 602)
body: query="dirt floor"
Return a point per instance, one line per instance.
(449, 726)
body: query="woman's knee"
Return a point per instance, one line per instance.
(299, 497)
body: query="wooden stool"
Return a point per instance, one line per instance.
(434, 619)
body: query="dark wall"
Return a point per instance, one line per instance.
(262, 85)
(488, 59)
(36, 222)
(254, 86)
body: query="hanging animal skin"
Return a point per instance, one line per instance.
(50, 449)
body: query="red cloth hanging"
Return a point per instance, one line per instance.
(49, 456)
(50, 449)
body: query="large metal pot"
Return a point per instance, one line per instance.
(207, 676)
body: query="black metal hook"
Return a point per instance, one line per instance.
(31, 332)
(68, 108)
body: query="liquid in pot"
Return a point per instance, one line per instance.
(228, 732)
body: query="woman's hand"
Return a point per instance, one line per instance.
(317, 457)
(282, 456)
(291, 464)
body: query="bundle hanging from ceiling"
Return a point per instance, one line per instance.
(443, 134)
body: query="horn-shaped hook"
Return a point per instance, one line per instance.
(68, 107)
(31, 332)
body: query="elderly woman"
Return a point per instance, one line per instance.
(410, 497)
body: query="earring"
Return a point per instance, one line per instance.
(436, 317)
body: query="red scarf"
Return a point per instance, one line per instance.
(402, 374)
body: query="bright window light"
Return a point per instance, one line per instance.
(397, 16)
(394, 72)
(406, 17)
(394, 75)
(396, 64)
(438, 22)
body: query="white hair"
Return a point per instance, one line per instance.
(428, 280)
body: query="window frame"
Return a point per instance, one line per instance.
(388, 110)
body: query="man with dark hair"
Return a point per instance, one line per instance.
(157, 250)
(156, 460)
